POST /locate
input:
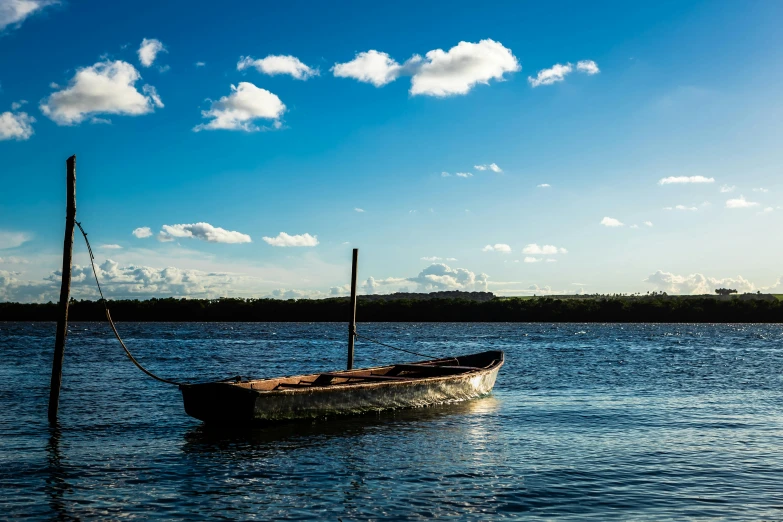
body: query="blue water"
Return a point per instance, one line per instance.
(586, 422)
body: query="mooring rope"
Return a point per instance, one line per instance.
(111, 323)
(167, 381)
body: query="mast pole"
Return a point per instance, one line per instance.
(65, 292)
(352, 324)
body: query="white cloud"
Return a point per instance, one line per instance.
(556, 73)
(142, 232)
(498, 247)
(278, 64)
(546, 250)
(110, 247)
(685, 179)
(543, 185)
(531, 260)
(299, 240)
(587, 67)
(357, 209)
(611, 222)
(442, 277)
(634, 226)
(696, 283)
(200, 64)
(551, 260)
(440, 73)
(149, 50)
(464, 174)
(104, 88)
(740, 202)
(648, 223)
(458, 70)
(372, 67)
(445, 174)
(761, 190)
(492, 166)
(14, 12)
(683, 207)
(16, 126)
(13, 239)
(767, 210)
(238, 110)
(15, 106)
(432, 259)
(727, 188)
(372, 284)
(203, 231)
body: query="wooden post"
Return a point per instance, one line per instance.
(352, 325)
(65, 292)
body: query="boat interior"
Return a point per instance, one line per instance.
(392, 373)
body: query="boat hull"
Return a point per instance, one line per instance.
(228, 402)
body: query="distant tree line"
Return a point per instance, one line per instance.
(541, 309)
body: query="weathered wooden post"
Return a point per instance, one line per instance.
(65, 292)
(352, 325)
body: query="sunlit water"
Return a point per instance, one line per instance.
(586, 421)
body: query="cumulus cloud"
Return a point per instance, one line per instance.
(554, 74)
(278, 64)
(681, 207)
(13, 239)
(440, 276)
(104, 88)
(432, 259)
(286, 240)
(492, 166)
(611, 222)
(16, 126)
(439, 73)
(498, 247)
(110, 247)
(14, 12)
(543, 185)
(760, 189)
(149, 50)
(727, 188)
(531, 259)
(372, 67)
(238, 110)
(740, 202)
(200, 64)
(458, 70)
(696, 283)
(445, 174)
(545, 250)
(203, 231)
(685, 179)
(371, 285)
(587, 67)
(648, 223)
(142, 232)
(464, 174)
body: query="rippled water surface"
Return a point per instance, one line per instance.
(586, 421)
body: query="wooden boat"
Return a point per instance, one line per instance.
(344, 392)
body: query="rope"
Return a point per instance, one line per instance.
(111, 323)
(393, 347)
(167, 381)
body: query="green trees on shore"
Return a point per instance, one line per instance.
(540, 309)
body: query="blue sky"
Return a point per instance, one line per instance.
(663, 117)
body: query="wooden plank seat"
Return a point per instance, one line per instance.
(326, 378)
(431, 369)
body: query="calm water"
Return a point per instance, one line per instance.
(586, 421)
